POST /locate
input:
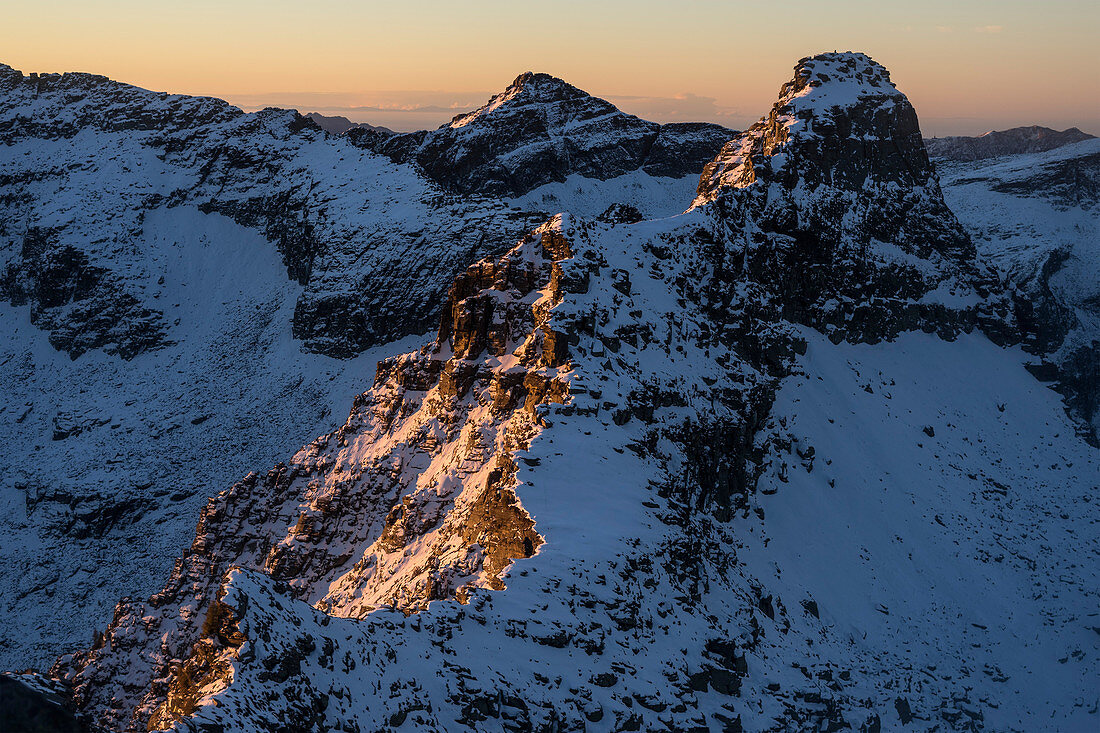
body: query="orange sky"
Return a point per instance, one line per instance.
(967, 65)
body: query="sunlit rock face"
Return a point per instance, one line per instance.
(542, 130)
(411, 501)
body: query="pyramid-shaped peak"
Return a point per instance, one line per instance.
(532, 88)
(541, 129)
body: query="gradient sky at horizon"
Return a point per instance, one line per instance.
(967, 65)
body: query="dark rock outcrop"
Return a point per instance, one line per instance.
(81, 306)
(24, 709)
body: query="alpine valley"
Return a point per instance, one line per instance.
(661, 427)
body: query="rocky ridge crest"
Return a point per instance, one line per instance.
(411, 501)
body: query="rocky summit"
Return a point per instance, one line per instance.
(777, 461)
(541, 130)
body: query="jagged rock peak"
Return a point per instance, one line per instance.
(531, 88)
(839, 120)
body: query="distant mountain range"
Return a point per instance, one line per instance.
(338, 125)
(1018, 140)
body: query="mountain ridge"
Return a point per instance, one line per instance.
(653, 360)
(1014, 141)
(338, 124)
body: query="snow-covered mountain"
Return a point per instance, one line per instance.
(349, 225)
(778, 462)
(1031, 139)
(164, 262)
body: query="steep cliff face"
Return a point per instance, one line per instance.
(1018, 140)
(833, 192)
(541, 130)
(718, 477)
